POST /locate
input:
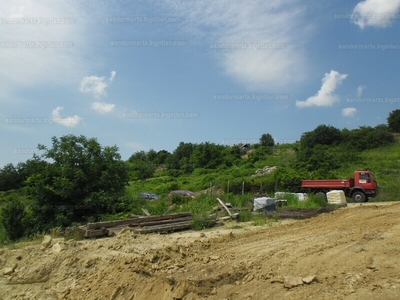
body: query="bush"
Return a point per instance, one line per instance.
(203, 221)
(13, 220)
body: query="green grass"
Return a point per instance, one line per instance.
(384, 162)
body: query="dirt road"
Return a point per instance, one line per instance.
(351, 253)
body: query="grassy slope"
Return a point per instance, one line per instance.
(384, 162)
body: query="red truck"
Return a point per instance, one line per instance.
(360, 188)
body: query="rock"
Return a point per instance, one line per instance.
(202, 234)
(206, 260)
(46, 242)
(214, 257)
(308, 279)
(57, 248)
(8, 271)
(292, 281)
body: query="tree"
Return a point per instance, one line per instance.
(322, 135)
(267, 140)
(9, 178)
(82, 180)
(394, 120)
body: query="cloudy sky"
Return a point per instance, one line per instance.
(149, 74)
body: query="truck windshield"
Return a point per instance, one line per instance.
(372, 176)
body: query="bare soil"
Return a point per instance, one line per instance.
(351, 253)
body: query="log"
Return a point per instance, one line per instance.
(155, 223)
(165, 228)
(96, 233)
(109, 224)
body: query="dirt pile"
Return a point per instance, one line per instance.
(350, 253)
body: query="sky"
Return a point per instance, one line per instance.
(150, 74)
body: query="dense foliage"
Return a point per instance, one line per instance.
(394, 120)
(77, 180)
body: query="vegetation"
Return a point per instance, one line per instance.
(394, 120)
(77, 179)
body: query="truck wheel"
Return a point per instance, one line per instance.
(359, 197)
(321, 194)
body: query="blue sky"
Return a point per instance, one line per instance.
(150, 74)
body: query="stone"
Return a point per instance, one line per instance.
(308, 279)
(46, 242)
(57, 248)
(292, 281)
(8, 271)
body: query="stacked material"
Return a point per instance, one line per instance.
(336, 197)
(300, 196)
(264, 203)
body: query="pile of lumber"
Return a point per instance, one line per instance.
(149, 224)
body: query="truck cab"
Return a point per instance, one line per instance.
(365, 183)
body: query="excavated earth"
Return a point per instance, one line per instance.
(350, 253)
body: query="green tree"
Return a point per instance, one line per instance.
(10, 178)
(142, 169)
(82, 180)
(12, 218)
(267, 140)
(322, 135)
(394, 120)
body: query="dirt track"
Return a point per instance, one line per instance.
(351, 253)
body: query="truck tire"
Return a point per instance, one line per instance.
(359, 197)
(321, 194)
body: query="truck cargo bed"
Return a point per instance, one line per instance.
(331, 183)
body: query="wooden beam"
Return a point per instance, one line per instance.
(146, 212)
(224, 206)
(108, 224)
(155, 223)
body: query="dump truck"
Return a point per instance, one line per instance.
(360, 188)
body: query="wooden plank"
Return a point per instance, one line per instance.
(155, 223)
(96, 233)
(235, 215)
(109, 224)
(169, 209)
(224, 206)
(146, 212)
(165, 228)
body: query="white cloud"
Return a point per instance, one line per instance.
(325, 96)
(103, 108)
(244, 34)
(68, 121)
(96, 85)
(32, 62)
(349, 112)
(113, 73)
(360, 90)
(376, 13)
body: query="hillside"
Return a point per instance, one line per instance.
(383, 161)
(350, 253)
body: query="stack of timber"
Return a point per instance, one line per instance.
(149, 224)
